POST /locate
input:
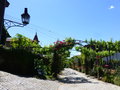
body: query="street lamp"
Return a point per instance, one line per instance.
(9, 23)
(25, 17)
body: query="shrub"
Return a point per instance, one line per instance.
(117, 76)
(97, 71)
(17, 61)
(43, 67)
(117, 80)
(108, 78)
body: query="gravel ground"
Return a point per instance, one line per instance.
(78, 81)
(13, 82)
(69, 80)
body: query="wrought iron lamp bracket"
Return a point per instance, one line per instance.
(9, 23)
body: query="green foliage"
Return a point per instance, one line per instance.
(43, 67)
(50, 60)
(21, 55)
(117, 80)
(60, 54)
(117, 76)
(108, 78)
(22, 42)
(92, 54)
(54, 57)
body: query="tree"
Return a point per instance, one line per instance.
(22, 42)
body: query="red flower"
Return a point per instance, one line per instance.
(61, 42)
(106, 65)
(97, 57)
(51, 46)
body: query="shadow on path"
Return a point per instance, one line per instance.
(74, 80)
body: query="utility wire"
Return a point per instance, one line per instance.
(36, 26)
(41, 32)
(38, 29)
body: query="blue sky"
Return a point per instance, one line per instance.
(58, 19)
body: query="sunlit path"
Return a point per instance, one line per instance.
(70, 80)
(74, 80)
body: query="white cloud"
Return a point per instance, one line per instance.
(111, 7)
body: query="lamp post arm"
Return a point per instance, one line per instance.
(9, 23)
